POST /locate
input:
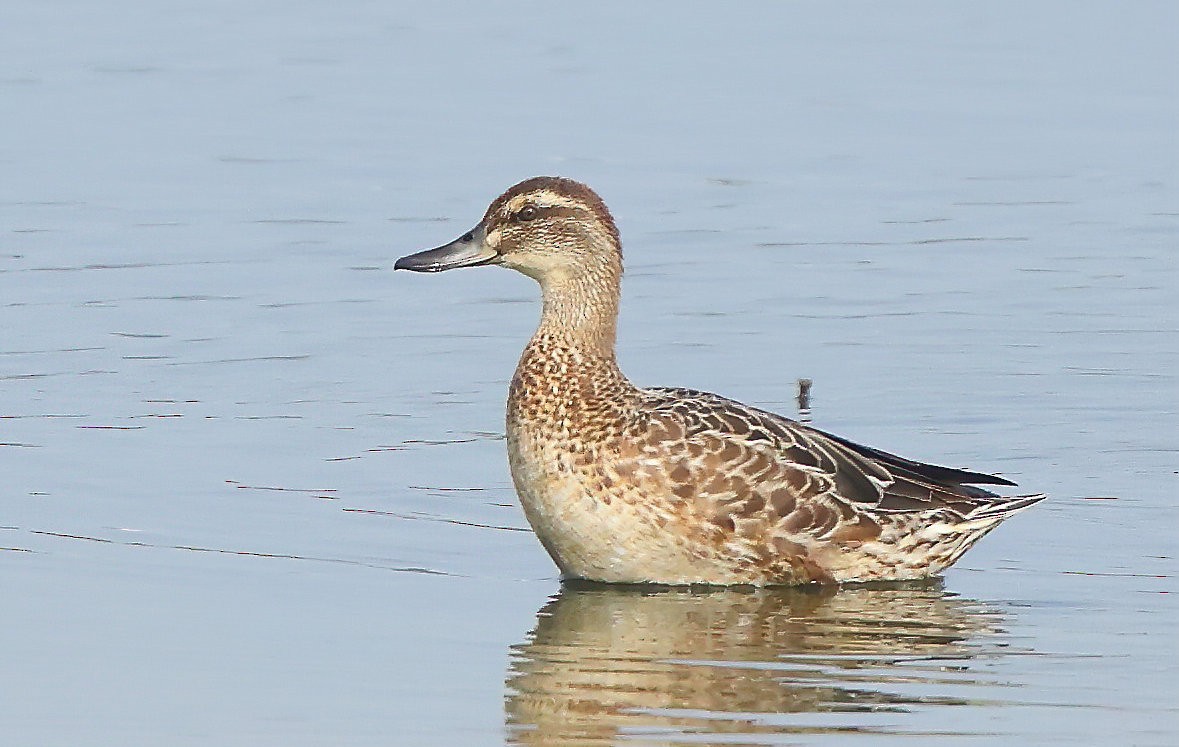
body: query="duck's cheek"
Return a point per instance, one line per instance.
(524, 264)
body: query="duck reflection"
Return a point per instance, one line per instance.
(605, 662)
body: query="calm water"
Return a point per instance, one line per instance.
(253, 484)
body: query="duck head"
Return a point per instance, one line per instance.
(547, 227)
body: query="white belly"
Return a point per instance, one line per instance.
(595, 533)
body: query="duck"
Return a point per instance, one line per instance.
(673, 486)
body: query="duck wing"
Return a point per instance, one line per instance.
(778, 500)
(838, 470)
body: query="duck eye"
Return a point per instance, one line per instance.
(528, 212)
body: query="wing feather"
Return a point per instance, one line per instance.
(836, 468)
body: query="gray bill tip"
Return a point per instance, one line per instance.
(468, 250)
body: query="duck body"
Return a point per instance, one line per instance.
(674, 486)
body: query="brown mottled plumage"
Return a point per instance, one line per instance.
(676, 486)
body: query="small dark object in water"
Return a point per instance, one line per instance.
(804, 400)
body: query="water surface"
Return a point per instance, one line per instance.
(253, 484)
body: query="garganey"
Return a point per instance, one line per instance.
(675, 486)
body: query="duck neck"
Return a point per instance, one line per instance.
(569, 367)
(581, 310)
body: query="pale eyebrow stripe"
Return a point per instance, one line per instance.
(543, 199)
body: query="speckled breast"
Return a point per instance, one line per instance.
(565, 432)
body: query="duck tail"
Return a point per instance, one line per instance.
(1001, 507)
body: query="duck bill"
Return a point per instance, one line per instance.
(468, 250)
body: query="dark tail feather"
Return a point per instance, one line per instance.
(933, 472)
(1006, 506)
